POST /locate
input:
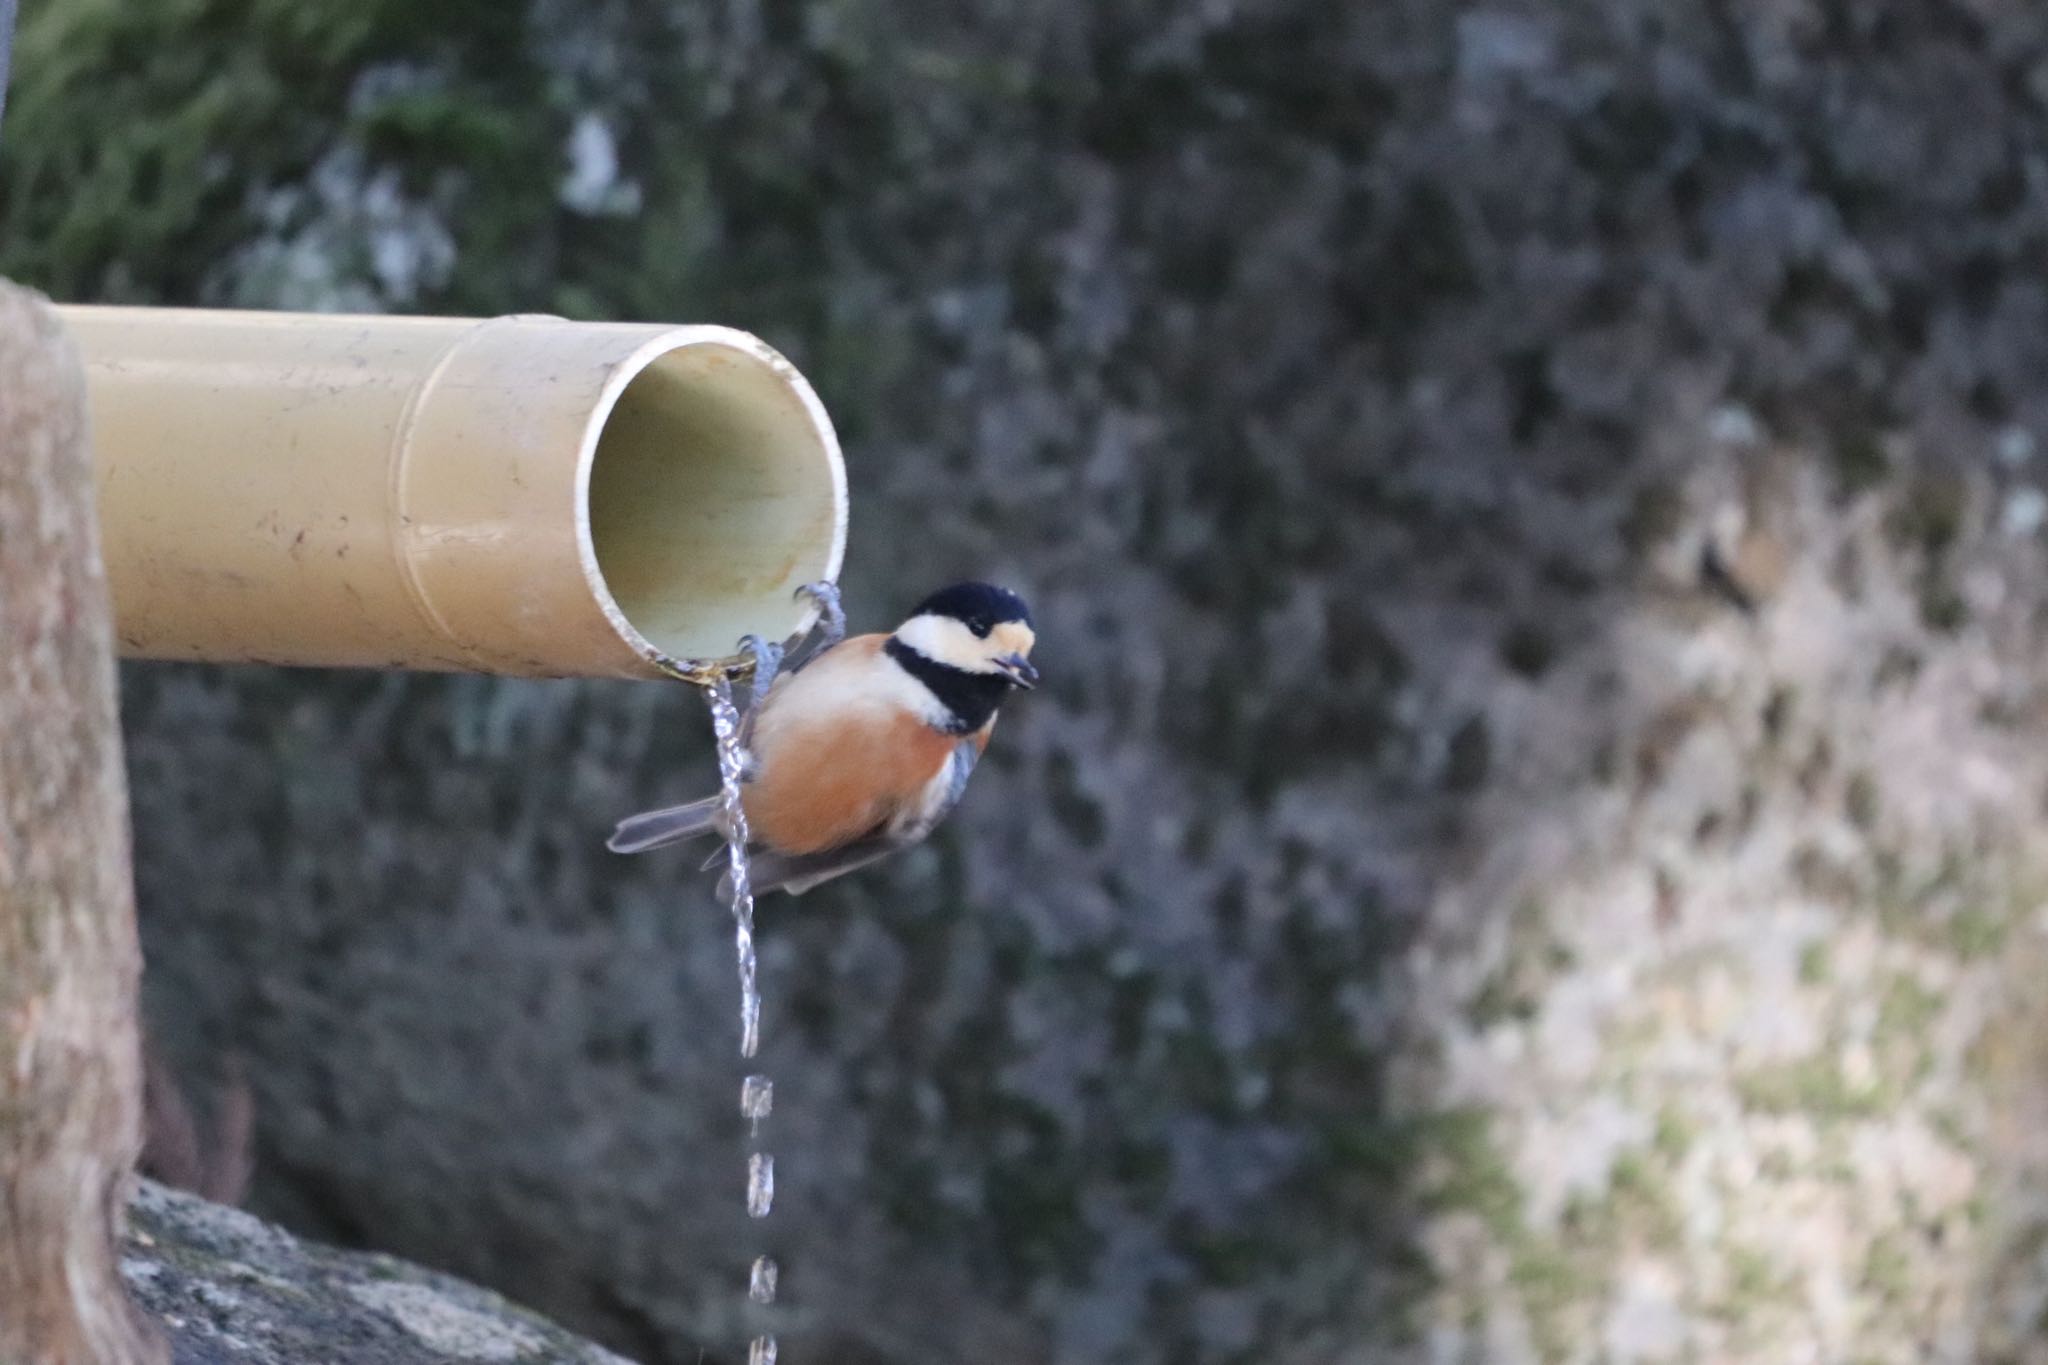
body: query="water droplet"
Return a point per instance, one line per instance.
(762, 1352)
(760, 1184)
(757, 1098)
(761, 1284)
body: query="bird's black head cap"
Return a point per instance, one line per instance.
(981, 607)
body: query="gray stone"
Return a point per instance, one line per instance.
(229, 1289)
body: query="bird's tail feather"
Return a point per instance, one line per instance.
(671, 825)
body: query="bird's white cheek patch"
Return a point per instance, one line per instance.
(948, 641)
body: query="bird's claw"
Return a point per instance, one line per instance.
(767, 663)
(827, 631)
(831, 627)
(771, 660)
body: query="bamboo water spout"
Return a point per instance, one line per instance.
(519, 495)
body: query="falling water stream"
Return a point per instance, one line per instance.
(757, 1092)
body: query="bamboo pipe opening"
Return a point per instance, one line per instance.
(521, 495)
(701, 496)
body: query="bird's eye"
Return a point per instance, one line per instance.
(980, 626)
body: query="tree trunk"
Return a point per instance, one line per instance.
(70, 1076)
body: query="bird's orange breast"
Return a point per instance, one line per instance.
(839, 751)
(822, 785)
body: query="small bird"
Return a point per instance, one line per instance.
(865, 746)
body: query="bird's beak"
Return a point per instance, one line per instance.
(1018, 670)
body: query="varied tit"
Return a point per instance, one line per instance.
(867, 744)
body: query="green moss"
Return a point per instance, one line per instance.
(1640, 1202)
(1226, 1257)
(1472, 1173)
(1860, 462)
(1813, 963)
(1949, 1124)
(1035, 1200)
(1976, 931)
(1557, 1276)
(1144, 1168)
(1552, 1282)
(1382, 1152)
(1906, 1009)
(1754, 1282)
(1630, 1173)
(1749, 1273)
(1812, 1086)
(1887, 1270)
(1914, 902)
(1673, 1137)
(1832, 1162)
(1859, 801)
(1513, 991)
(1929, 515)
(1201, 1071)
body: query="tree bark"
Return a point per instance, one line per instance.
(70, 1072)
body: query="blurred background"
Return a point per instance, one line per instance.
(1531, 844)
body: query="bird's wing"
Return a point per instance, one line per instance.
(670, 825)
(797, 873)
(947, 789)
